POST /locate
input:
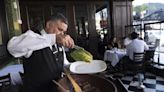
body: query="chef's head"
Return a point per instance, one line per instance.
(57, 24)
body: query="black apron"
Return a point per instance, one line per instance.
(41, 68)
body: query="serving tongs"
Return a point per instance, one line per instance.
(76, 87)
(76, 47)
(61, 88)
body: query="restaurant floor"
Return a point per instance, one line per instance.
(152, 82)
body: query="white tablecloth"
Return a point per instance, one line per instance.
(14, 73)
(114, 56)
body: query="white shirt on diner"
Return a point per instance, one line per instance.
(127, 41)
(137, 46)
(25, 44)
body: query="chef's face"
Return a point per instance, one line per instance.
(56, 27)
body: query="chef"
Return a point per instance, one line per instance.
(43, 54)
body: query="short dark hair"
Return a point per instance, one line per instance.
(134, 35)
(56, 17)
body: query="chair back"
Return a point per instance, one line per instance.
(138, 57)
(5, 83)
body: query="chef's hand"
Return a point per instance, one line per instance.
(65, 40)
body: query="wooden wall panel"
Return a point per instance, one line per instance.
(122, 14)
(3, 22)
(70, 10)
(4, 32)
(93, 36)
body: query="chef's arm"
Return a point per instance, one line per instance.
(28, 42)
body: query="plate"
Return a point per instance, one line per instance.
(81, 67)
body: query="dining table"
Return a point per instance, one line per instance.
(113, 56)
(13, 70)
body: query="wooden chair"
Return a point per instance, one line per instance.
(137, 62)
(138, 67)
(138, 57)
(5, 83)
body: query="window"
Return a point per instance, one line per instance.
(154, 37)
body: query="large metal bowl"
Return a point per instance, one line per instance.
(89, 83)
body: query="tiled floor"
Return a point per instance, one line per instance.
(152, 82)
